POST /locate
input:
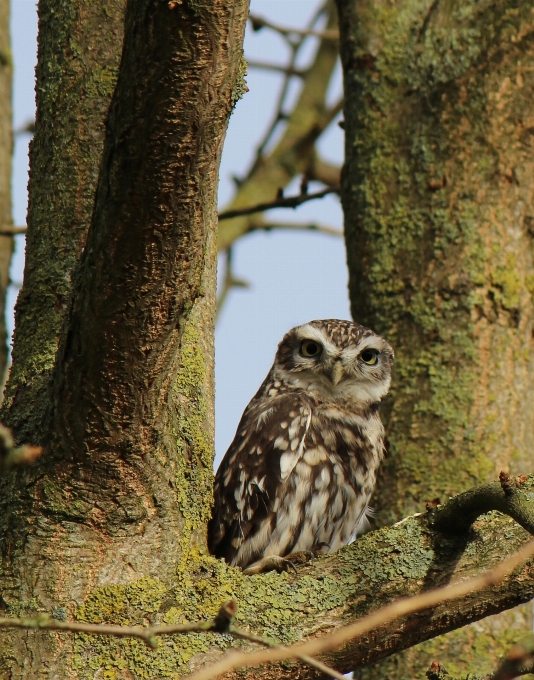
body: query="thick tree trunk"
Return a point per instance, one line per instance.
(6, 150)
(123, 490)
(437, 193)
(79, 51)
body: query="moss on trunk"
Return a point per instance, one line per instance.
(437, 193)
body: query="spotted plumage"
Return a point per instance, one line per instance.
(302, 466)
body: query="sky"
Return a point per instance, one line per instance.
(294, 277)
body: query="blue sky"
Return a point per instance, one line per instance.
(294, 277)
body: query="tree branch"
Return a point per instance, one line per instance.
(296, 226)
(280, 68)
(290, 157)
(389, 565)
(12, 231)
(259, 23)
(289, 202)
(461, 511)
(370, 623)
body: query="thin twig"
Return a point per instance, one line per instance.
(229, 281)
(44, 622)
(280, 104)
(12, 231)
(314, 663)
(222, 623)
(289, 202)
(280, 68)
(287, 31)
(370, 622)
(296, 226)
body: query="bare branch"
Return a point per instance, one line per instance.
(324, 172)
(314, 663)
(289, 202)
(12, 456)
(12, 231)
(280, 68)
(296, 226)
(372, 621)
(462, 510)
(222, 623)
(279, 108)
(259, 22)
(518, 661)
(229, 281)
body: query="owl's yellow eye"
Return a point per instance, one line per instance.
(310, 348)
(369, 356)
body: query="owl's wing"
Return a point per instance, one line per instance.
(269, 442)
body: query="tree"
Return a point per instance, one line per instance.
(112, 370)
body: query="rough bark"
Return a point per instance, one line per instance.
(123, 490)
(377, 569)
(6, 150)
(78, 56)
(437, 193)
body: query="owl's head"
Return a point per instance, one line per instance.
(335, 360)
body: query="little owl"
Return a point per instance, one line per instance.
(302, 467)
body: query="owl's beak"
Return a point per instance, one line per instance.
(337, 372)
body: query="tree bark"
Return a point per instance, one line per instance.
(379, 568)
(123, 490)
(78, 56)
(6, 152)
(437, 194)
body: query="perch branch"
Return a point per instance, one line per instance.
(372, 621)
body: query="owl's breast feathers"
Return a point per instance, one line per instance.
(297, 476)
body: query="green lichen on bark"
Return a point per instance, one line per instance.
(425, 211)
(437, 196)
(78, 59)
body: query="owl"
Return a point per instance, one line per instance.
(300, 471)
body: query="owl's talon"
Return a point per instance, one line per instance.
(271, 563)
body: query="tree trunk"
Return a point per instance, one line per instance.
(123, 490)
(6, 151)
(78, 57)
(437, 193)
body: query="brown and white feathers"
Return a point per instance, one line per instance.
(302, 466)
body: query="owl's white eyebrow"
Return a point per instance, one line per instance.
(371, 342)
(308, 332)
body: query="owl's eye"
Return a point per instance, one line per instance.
(369, 356)
(310, 348)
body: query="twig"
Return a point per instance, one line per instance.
(259, 22)
(315, 663)
(289, 202)
(280, 68)
(11, 231)
(14, 456)
(279, 108)
(222, 623)
(229, 281)
(296, 226)
(373, 621)
(518, 661)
